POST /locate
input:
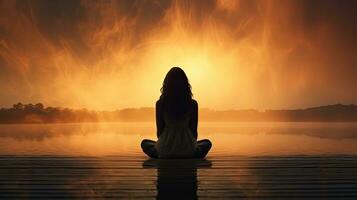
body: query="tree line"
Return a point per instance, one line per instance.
(38, 113)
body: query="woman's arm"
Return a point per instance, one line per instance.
(194, 119)
(160, 124)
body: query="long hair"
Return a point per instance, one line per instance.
(176, 95)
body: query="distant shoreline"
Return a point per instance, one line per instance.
(38, 114)
(152, 122)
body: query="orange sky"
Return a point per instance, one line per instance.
(237, 54)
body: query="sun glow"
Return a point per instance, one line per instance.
(107, 55)
(210, 66)
(201, 60)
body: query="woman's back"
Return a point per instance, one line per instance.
(176, 121)
(177, 138)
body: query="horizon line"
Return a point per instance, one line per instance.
(202, 108)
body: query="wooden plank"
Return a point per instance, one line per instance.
(220, 177)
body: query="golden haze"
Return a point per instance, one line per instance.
(114, 54)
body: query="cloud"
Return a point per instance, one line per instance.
(261, 54)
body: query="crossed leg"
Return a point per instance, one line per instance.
(148, 147)
(203, 147)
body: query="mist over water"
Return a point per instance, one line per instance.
(240, 139)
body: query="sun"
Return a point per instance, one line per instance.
(200, 63)
(195, 60)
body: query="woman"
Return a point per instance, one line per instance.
(176, 121)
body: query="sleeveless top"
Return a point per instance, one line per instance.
(176, 140)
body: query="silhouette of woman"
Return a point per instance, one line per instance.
(176, 121)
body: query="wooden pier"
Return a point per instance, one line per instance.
(217, 177)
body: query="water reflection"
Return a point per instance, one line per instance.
(177, 178)
(45, 131)
(100, 139)
(125, 177)
(57, 177)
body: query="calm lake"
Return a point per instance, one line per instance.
(238, 138)
(248, 160)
